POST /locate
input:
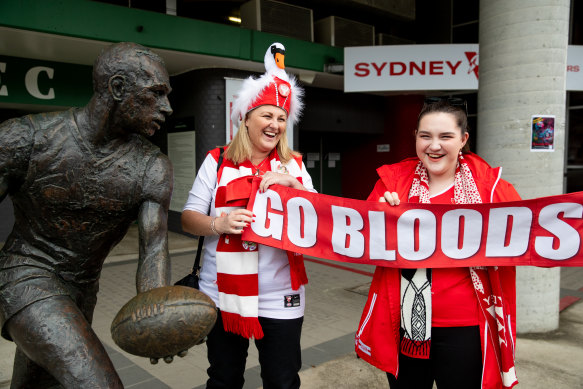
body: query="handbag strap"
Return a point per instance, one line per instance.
(196, 265)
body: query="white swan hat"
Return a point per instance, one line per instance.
(275, 87)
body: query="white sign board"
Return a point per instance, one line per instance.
(232, 86)
(575, 68)
(181, 151)
(411, 67)
(428, 67)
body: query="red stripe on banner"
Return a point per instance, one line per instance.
(241, 285)
(364, 273)
(545, 232)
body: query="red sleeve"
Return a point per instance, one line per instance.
(377, 192)
(505, 192)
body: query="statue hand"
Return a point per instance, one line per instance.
(170, 358)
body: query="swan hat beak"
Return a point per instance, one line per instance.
(278, 56)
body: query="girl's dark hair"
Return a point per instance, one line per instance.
(454, 106)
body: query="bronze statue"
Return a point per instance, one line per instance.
(78, 179)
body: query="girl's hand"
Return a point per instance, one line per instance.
(390, 197)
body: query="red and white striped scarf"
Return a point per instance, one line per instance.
(486, 281)
(238, 260)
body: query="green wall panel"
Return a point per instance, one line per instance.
(105, 22)
(27, 81)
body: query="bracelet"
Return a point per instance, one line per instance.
(213, 228)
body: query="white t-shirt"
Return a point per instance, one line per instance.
(274, 276)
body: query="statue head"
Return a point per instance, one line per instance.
(133, 81)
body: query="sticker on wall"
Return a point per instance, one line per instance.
(383, 148)
(542, 133)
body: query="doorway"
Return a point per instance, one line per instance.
(323, 158)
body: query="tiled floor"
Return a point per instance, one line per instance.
(335, 297)
(331, 318)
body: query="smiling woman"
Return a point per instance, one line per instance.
(444, 324)
(258, 289)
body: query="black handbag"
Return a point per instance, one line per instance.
(191, 279)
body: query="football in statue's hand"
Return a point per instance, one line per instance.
(163, 322)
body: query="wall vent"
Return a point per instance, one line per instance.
(340, 32)
(388, 39)
(401, 9)
(278, 18)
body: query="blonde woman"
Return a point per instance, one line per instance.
(258, 289)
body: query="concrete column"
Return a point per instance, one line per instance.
(523, 62)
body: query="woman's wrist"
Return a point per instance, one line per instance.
(213, 225)
(298, 185)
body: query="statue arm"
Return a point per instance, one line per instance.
(154, 261)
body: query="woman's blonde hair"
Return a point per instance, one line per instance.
(239, 150)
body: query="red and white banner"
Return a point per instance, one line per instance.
(539, 232)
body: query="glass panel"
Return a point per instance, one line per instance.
(575, 141)
(576, 25)
(575, 99)
(467, 33)
(465, 11)
(574, 180)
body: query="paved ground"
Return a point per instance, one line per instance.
(335, 297)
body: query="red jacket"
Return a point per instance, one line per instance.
(377, 338)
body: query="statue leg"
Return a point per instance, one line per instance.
(54, 334)
(27, 374)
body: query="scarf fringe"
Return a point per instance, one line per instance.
(297, 270)
(247, 327)
(415, 348)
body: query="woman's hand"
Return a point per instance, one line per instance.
(390, 197)
(234, 222)
(270, 178)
